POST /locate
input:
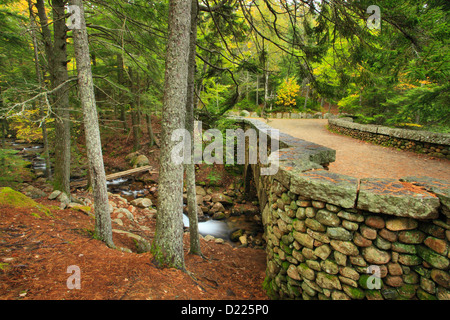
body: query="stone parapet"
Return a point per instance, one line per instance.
(327, 233)
(433, 143)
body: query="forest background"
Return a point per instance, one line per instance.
(260, 55)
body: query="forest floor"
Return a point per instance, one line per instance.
(36, 250)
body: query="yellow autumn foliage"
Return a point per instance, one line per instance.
(26, 126)
(287, 93)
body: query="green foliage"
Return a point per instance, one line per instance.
(12, 167)
(426, 104)
(245, 104)
(214, 178)
(311, 105)
(350, 104)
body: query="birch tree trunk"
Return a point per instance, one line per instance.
(93, 143)
(167, 247)
(190, 167)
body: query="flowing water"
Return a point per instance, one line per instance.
(215, 228)
(131, 189)
(30, 152)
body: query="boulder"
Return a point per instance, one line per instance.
(141, 202)
(129, 157)
(142, 245)
(54, 195)
(33, 192)
(236, 234)
(220, 197)
(199, 190)
(140, 161)
(15, 199)
(64, 199)
(217, 207)
(76, 206)
(243, 239)
(244, 113)
(218, 216)
(122, 211)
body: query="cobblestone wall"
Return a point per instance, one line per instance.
(331, 236)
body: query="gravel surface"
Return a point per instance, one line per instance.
(362, 159)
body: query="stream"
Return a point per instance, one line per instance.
(130, 189)
(30, 152)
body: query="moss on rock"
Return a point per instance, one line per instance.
(16, 199)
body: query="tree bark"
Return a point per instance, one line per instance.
(3, 122)
(190, 167)
(134, 80)
(306, 98)
(266, 89)
(48, 169)
(257, 91)
(120, 79)
(150, 130)
(167, 247)
(62, 121)
(93, 142)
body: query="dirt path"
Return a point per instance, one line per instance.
(361, 159)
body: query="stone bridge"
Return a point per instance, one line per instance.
(333, 236)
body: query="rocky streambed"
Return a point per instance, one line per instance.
(225, 213)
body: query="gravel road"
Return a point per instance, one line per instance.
(362, 159)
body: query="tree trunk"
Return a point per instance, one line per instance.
(135, 125)
(257, 90)
(167, 246)
(3, 121)
(150, 130)
(266, 88)
(247, 80)
(306, 98)
(134, 109)
(120, 79)
(62, 121)
(93, 143)
(48, 169)
(190, 167)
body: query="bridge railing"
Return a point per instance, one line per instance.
(332, 236)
